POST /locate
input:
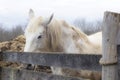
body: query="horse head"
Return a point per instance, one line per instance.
(35, 32)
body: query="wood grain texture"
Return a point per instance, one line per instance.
(109, 49)
(76, 61)
(15, 74)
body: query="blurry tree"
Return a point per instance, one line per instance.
(6, 35)
(88, 27)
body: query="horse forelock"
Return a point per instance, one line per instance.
(34, 24)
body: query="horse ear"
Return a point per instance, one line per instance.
(49, 20)
(31, 14)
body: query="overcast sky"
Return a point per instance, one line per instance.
(14, 12)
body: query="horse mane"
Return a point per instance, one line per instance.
(54, 35)
(79, 34)
(86, 46)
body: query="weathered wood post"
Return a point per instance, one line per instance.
(109, 58)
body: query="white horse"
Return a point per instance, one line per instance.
(51, 35)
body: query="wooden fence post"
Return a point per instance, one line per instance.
(109, 59)
(0, 66)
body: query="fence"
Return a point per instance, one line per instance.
(110, 61)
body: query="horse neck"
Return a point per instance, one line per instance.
(96, 41)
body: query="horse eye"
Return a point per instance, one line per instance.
(39, 37)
